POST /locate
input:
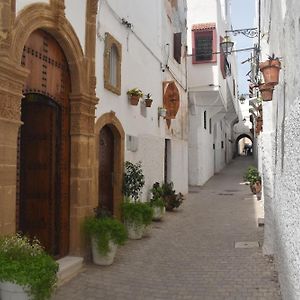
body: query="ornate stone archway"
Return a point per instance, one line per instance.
(14, 32)
(110, 119)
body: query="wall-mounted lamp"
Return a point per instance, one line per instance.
(242, 99)
(162, 112)
(226, 45)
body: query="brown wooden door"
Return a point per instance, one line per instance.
(106, 169)
(39, 184)
(43, 200)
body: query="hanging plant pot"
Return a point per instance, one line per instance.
(266, 91)
(259, 124)
(148, 102)
(270, 70)
(134, 100)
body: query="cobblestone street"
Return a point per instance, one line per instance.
(191, 254)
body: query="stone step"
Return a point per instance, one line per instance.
(69, 266)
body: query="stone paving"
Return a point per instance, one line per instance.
(191, 253)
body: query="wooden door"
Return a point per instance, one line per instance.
(106, 169)
(39, 184)
(43, 199)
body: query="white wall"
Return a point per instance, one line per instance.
(76, 14)
(280, 145)
(20, 4)
(143, 53)
(210, 92)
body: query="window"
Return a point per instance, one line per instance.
(113, 60)
(204, 119)
(209, 125)
(204, 43)
(177, 47)
(112, 64)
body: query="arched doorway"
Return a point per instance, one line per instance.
(106, 169)
(244, 145)
(44, 155)
(110, 168)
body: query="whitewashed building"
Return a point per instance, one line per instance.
(66, 123)
(279, 153)
(212, 84)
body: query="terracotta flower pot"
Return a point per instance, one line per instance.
(134, 100)
(266, 91)
(148, 102)
(259, 124)
(270, 70)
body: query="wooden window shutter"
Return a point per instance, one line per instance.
(177, 47)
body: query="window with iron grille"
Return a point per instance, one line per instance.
(204, 43)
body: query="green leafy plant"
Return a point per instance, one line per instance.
(157, 196)
(168, 194)
(105, 229)
(135, 92)
(134, 180)
(252, 175)
(24, 262)
(138, 213)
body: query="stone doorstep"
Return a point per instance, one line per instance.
(69, 267)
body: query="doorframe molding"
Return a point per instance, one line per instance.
(110, 119)
(14, 32)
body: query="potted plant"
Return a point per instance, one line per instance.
(170, 198)
(254, 179)
(259, 124)
(266, 91)
(106, 235)
(157, 202)
(134, 95)
(136, 215)
(270, 70)
(148, 100)
(27, 271)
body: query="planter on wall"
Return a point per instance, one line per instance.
(266, 91)
(148, 102)
(270, 70)
(134, 100)
(259, 124)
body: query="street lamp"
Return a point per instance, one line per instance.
(226, 45)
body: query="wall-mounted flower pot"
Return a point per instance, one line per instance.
(266, 91)
(270, 70)
(148, 102)
(134, 100)
(259, 124)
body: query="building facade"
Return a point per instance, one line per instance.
(278, 143)
(66, 124)
(213, 105)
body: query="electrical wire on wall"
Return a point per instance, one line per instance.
(129, 26)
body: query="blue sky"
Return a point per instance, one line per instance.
(242, 16)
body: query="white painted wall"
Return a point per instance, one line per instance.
(143, 52)
(279, 145)
(20, 4)
(76, 14)
(210, 92)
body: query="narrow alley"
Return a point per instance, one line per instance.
(191, 254)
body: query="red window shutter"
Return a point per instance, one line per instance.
(177, 47)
